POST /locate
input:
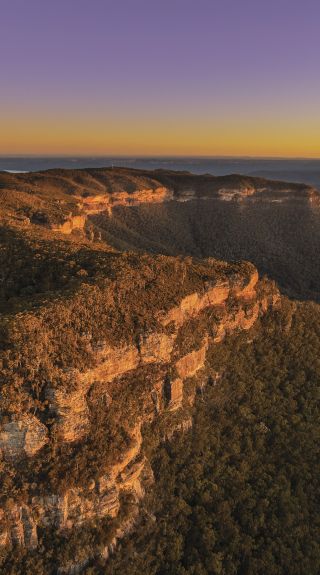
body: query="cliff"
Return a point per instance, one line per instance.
(109, 355)
(66, 200)
(121, 350)
(273, 224)
(104, 348)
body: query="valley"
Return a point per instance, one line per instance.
(159, 373)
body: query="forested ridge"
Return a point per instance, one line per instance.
(159, 408)
(238, 495)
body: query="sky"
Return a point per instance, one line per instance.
(160, 77)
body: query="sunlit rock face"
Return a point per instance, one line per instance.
(104, 354)
(174, 393)
(71, 224)
(24, 436)
(191, 305)
(165, 372)
(189, 364)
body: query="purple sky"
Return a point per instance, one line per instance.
(98, 71)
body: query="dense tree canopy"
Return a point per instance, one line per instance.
(238, 494)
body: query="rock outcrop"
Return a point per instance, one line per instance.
(70, 407)
(174, 393)
(239, 302)
(189, 364)
(90, 370)
(71, 224)
(23, 436)
(99, 499)
(95, 204)
(71, 412)
(194, 303)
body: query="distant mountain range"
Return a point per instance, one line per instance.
(293, 170)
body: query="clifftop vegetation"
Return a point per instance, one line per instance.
(155, 399)
(275, 225)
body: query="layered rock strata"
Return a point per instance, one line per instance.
(237, 305)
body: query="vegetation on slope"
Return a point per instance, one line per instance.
(63, 300)
(238, 494)
(282, 240)
(276, 225)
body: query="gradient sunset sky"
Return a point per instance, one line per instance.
(160, 77)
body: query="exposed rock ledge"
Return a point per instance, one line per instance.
(71, 224)
(188, 365)
(76, 506)
(101, 497)
(26, 435)
(96, 204)
(193, 304)
(70, 407)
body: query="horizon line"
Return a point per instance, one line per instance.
(160, 156)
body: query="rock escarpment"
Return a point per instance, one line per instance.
(273, 224)
(65, 200)
(106, 354)
(25, 435)
(95, 403)
(102, 353)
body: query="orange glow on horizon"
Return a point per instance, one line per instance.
(157, 137)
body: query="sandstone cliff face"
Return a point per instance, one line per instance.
(71, 224)
(174, 393)
(189, 364)
(104, 203)
(70, 407)
(192, 304)
(100, 499)
(71, 412)
(234, 194)
(95, 204)
(246, 289)
(239, 303)
(23, 436)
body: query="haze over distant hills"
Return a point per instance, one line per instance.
(293, 170)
